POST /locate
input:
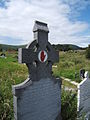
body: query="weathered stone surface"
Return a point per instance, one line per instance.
(39, 97)
(39, 100)
(84, 96)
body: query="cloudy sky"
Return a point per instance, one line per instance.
(68, 21)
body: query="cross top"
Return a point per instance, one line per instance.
(40, 26)
(39, 55)
(41, 34)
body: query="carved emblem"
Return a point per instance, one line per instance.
(42, 56)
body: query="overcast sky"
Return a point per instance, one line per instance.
(68, 21)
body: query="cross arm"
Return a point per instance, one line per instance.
(53, 56)
(26, 55)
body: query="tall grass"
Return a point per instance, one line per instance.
(10, 73)
(70, 64)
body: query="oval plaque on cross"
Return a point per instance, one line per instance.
(42, 56)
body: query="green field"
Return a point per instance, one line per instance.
(13, 73)
(70, 63)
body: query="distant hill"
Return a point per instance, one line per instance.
(66, 47)
(11, 47)
(61, 47)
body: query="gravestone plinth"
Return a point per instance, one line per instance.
(84, 98)
(38, 97)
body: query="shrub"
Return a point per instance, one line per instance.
(68, 105)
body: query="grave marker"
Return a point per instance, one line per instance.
(82, 72)
(39, 97)
(84, 97)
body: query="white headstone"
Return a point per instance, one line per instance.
(83, 105)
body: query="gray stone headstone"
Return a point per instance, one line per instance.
(82, 72)
(84, 97)
(38, 97)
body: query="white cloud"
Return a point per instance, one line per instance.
(77, 5)
(18, 19)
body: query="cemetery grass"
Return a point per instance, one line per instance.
(70, 63)
(68, 84)
(12, 73)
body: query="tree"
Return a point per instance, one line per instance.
(88, 52)
(0, 48)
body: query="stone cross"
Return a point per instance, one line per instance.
(39, 55)
(84, 97)
(39, 97)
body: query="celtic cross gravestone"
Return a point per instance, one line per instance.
(38, 97)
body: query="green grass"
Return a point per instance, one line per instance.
(68, 84)
(10, 73)
(70, 63)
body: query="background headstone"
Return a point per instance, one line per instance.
(39, 97)
(84, 97)
(82, 72)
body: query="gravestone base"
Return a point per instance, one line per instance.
(38, 100)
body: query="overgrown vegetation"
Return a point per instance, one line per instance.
(70, 63)
(69, 105)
